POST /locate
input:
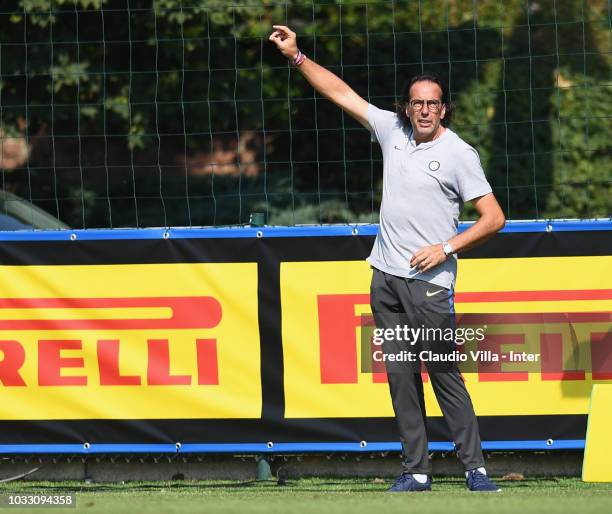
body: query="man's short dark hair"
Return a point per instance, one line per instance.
(425, 77)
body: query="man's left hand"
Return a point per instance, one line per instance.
(428, 257)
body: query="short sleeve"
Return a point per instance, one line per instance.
(381, 123)
(471, 179)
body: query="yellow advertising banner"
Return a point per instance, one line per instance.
(522, 299)
(144, 341)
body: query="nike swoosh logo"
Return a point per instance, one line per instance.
(434, 293)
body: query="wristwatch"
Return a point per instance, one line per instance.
(448, 249)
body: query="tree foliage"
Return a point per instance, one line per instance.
(179, 112)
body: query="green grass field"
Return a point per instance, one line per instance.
(323, 495)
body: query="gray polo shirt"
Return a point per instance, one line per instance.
(424, 188)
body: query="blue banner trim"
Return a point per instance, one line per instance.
(276, 448)
(259, 232)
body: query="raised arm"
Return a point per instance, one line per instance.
(324, 81)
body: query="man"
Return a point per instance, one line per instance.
(428, 173)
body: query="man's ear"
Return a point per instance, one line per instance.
(443, 111)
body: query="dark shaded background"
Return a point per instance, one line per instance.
(133, 113)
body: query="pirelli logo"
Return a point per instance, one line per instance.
(567, 344)
(100, 342)
(76, 314)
